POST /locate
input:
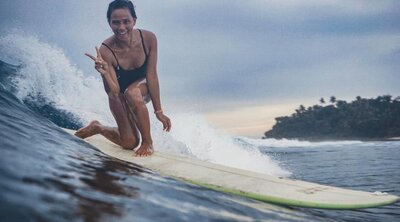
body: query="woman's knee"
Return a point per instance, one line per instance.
(129, 142)
(134, 96)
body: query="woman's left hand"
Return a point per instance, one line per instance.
(165, 121)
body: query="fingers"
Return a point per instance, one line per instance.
(167, 124)
(99, 63)
(90, 56)
(165, 121)
(97, 57)
(98, 53)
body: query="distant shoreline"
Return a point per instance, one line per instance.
(394, 138)
(341, 139)
(375, 119)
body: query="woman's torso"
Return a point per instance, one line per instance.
(130, 64)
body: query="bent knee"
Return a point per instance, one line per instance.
(129, 143)
(134, 95)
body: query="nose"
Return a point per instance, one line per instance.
(121, 28)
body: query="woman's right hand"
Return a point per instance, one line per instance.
(99, 64)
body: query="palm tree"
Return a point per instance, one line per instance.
(302, 108)
(333, 100)
(341, 103)
(322, 101)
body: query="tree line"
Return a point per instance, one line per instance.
(375, 118)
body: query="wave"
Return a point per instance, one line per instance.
(207, 143)
(277, 143)
(46, 81)
(45, 75)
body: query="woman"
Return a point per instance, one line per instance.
(127, 63)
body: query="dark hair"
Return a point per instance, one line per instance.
(117, 4)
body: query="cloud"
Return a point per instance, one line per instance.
(221, 51)
(258, 49)
(255, 58)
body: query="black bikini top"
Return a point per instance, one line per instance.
(126, 77)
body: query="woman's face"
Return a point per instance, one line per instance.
(121, 23)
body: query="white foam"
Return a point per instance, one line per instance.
(293, 143)
(47, 72)
(207, 143)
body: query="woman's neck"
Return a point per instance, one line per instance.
(121, 44)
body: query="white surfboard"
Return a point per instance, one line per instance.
(262, 187)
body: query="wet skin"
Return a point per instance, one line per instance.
(128, 108)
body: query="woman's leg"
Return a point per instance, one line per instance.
(125, 135)
(137, 96)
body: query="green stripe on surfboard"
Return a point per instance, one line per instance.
(284, 201)
(270, 189)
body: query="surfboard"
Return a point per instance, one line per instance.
(258, 186)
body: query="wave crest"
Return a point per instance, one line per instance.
(46, 76)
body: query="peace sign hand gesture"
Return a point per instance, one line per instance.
(99, 64)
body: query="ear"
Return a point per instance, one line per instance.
(134, 21)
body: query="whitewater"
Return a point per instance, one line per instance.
(48, 74)
(48, 175)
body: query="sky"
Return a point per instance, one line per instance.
(239, 63)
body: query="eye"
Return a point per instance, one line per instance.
(127, 21)
(115, 22)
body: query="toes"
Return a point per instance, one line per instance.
(141, 152)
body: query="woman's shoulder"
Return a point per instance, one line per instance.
(149, 38)
(105, 46)
(108, 41)
(105, 51)
(148, 34)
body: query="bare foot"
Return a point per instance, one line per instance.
(89, 130)
(144, 150)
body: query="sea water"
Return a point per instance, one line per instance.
(49, 175)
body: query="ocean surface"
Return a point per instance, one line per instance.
(49, 175)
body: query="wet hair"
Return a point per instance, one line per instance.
(118, 4)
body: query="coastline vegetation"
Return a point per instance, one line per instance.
(362, 119)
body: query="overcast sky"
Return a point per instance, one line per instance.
(241, 63)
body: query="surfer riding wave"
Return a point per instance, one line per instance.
(127, 63)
